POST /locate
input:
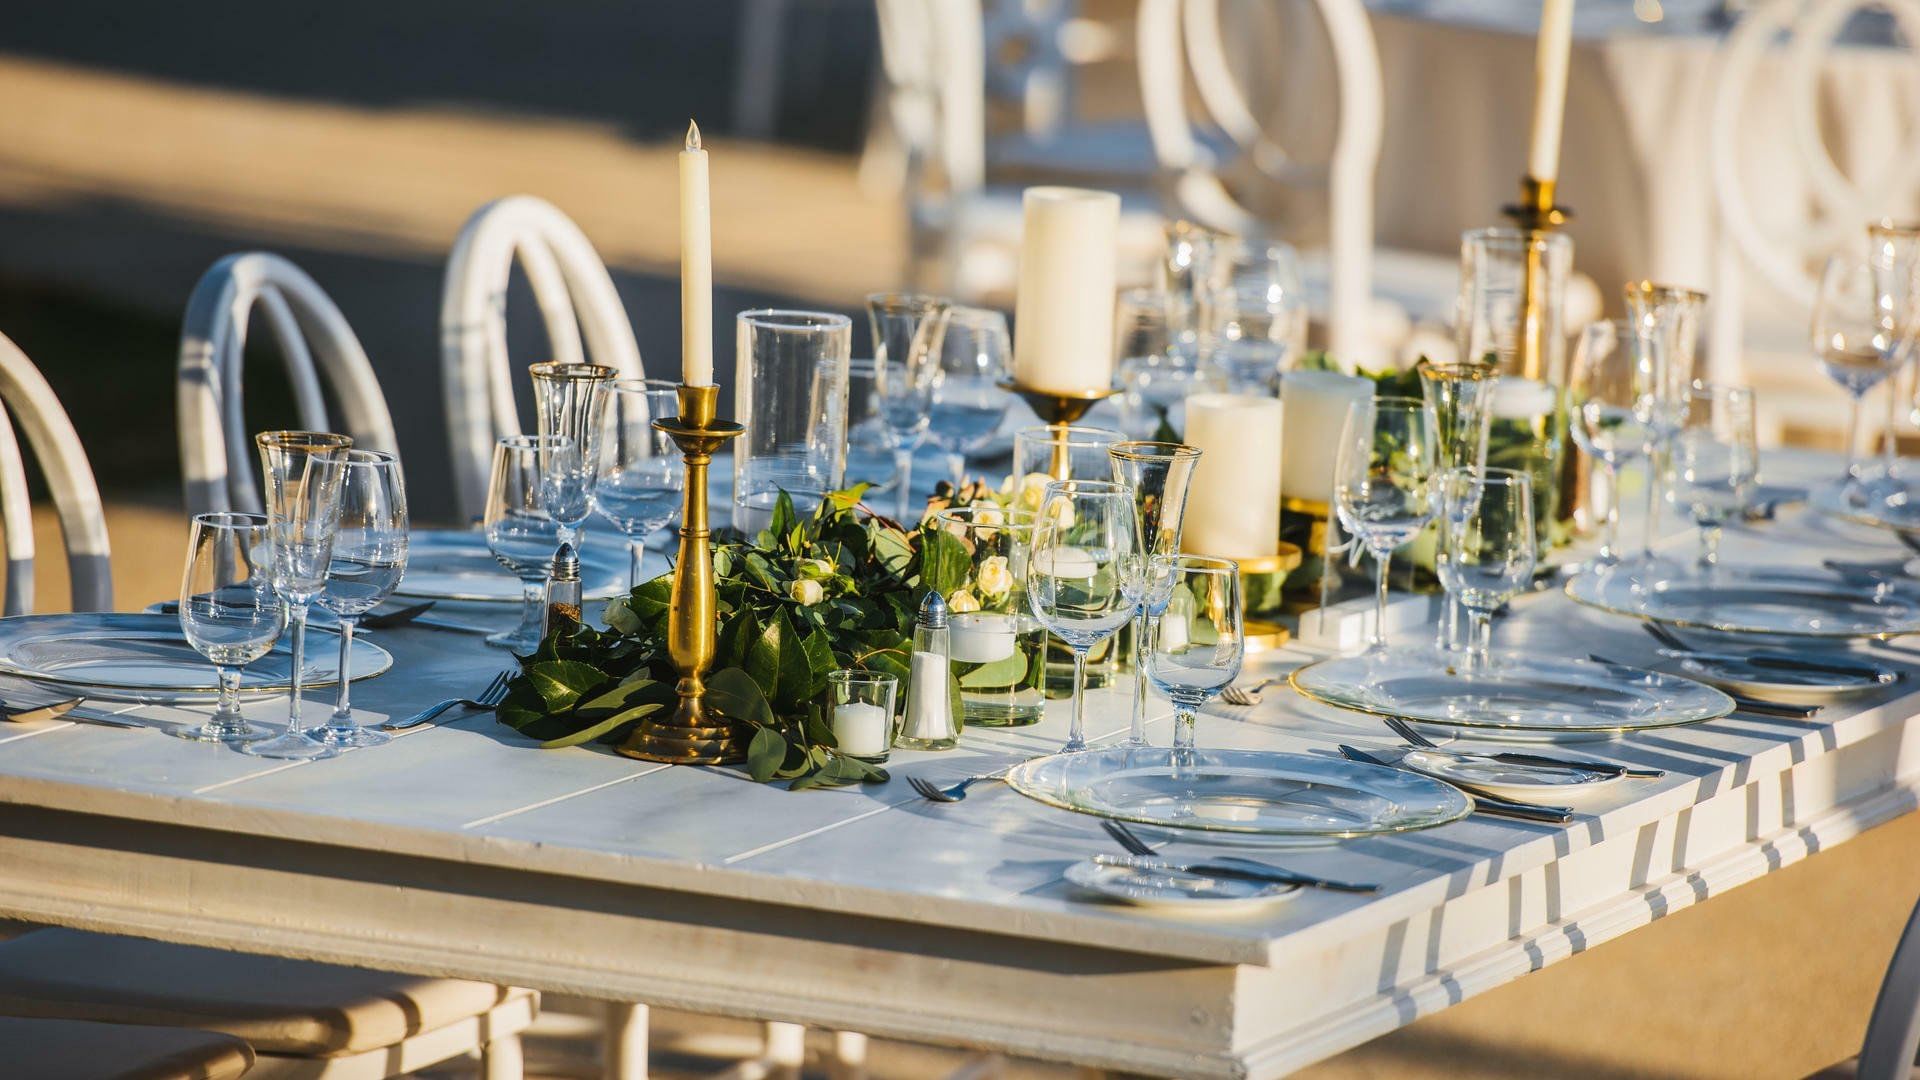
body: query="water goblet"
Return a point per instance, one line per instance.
(229, 612)
(1857, 342)
(369, 557)
(1083, 577)
(1487, 550)
(642, 475)
(909, 330)
(1611, 403)
(521, 532)
(1894, 251)
(1716, 462)
(303, 471)
(1200, 641)
(968, 401)
(570, 401)
(1666, 333)
(1189, 271)
(1383, 483)
(1158, 474)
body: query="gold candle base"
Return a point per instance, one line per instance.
(1058, 411)
(1260, 583)
(695, 733)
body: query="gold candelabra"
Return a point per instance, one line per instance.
(1059, 410)
(695, 733)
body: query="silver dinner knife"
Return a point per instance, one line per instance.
(1240, 871)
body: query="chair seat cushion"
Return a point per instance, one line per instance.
(289, 1007)
(79, 1050)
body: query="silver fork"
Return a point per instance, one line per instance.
(493, 695)
(928, 790)
(1248, 695)
(1412, 735)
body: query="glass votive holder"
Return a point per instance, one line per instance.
(860, 712)
(1046, 452)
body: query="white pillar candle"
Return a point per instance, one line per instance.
(1068, 563)
(860, 728)
(1233, 507)
(980, 637)
(1316, 405)
(696, 265)
(1063, 311)
(1173, 632)
(1550, 87)
(1516, 398)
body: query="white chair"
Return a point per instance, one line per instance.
(30, 400)
(79, 1050)
(216, 448)
(576, 298)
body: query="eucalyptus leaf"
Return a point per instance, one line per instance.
(604, 727)
(561, 682)
(765, 754)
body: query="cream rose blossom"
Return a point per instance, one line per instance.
(962, 602)
(993, 577)
(806, 592)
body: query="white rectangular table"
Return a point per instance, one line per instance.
(464, 851)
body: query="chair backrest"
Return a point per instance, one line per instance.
(69, 477)
(216, 448)
(576, 298)
(1893, 1032)
(1192, 174)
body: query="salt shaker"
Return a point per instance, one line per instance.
(563, 594)
(931, 722)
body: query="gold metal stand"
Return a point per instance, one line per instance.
(696, 734)
(1536, 212)
(1264, 577)
(1059, 411)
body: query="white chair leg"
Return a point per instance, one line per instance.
(626, 1041)
(502, 1059)
(849, 1061)
(786, 1050)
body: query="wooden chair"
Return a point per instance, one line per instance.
(81, 1050)
(216, 445)
(576, 299)
(33, 406)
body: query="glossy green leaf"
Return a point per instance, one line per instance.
(765, 754)
(561, 682)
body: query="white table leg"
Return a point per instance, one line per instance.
(625, 1043)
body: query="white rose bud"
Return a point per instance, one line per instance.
(806, 592)
(984, 514)
(962, 602)
(993, 577)
(814, 569)
(1033, 488)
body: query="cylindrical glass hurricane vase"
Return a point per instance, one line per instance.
(996, 647)
(790, 391)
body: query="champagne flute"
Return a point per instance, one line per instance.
(1487, 549)
(570, 401)
(229, 612)
(1461, 396)
(1716, 462)
(369, 557)
(1610, 396)
(1199, 641)
(521, 532)
(1158, 474)
(1856, 342)
(968, 401)
(909, 330)
(303, 471)
(641, 473)
(1383, 483)
(1083, 579)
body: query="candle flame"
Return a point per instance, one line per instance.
(693, 135)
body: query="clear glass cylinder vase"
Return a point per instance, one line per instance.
(790, 390)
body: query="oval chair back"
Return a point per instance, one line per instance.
(70, 479)
(216, 447)
(576, 298)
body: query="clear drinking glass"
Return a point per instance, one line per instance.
(1083, 579)
(1043, 454)
(571, 403)
(1856, 340)
(302, 470)
(790, 390)
(1461, 397)
(1158, 474)
(997, 648)
(369, 558)
(1666, 335)
(1716, 462)
(1383, 482)
(1199, 637)
(1894, 249)
(1258, 316)
(1487, 552)
(909, 332)
(869, 458)
(642, 476)
(860, 710)
(521, 532)
(1189, 272)
(1610, 402)
(229, 612)
(969, 403)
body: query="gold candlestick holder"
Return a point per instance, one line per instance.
(695, 733)
(1537, 212)
(1059, 410)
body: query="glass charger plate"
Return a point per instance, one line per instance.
(1875, 502)
(1769, 683)
(147, 658)
(1176, 893)
(1240, 792)
(454, 564)
(1807, 602)
(1515, 694)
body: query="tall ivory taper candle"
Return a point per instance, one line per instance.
(696, 265)
(1233, 508)
(1550, 88)
(1063, 311)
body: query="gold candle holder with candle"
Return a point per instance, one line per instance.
(1059, 410)
(1233, 508)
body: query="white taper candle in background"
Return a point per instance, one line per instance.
(1550, 87)
(1233, 508)
(1063, 311)
(1316, 404)
(696, 265)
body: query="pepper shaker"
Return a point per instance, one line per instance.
(563, 594)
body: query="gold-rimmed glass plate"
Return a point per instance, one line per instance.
(1799, 601)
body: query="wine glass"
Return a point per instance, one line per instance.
(1855, 340)
(369, 557)
(1716, 461)
(521, 532)
(303, 470)
(641, 473)
(1383, 482)
(968, 401)
(570, 401)
(1487, 549)
(1258, 317)
(1083, 578)
(1611, 403)
(229, 612)
(1894, 249)
(1199, 638)
(1158, 474)
(909, 330)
